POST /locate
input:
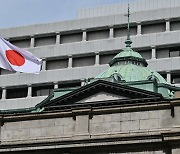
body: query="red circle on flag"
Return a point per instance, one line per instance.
(15, 58)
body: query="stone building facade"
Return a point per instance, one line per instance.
(81, 48)
(127, 109)
(148, 124)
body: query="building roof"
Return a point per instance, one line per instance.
(89, 95)
(130, 67)
(130, 73)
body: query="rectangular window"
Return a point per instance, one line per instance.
(83, 61)
(106, 58)
(42, 90)
(24, 43)
(0, 93)
(70, 38)
(120, 32)
(16, 93)
(98, 34)
(5, 72)
(175, 78)
(145, 54)
(164, 75)
(174, 52)
(174, 25)
(42, 41)
(153, 28)
(162, 53)
(69, 84)
(56, 64)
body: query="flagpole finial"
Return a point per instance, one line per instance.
(128, 41)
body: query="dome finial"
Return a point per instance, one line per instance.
(128, 41)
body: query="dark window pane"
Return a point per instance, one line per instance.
(42, 41)
(42, 90)
(70, 38)
(25, 43)
(175, 78)
(16, 93)
(56, 64)
(174, 51)
(83, 61)
(105, 59)
(146, 54)
(174, 54)
(120, 32)
(163, 75)
(175, 25)
(96, 35)
(162, 53)
(153, 28)
(70, 84)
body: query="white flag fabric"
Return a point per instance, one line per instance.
(16, 59)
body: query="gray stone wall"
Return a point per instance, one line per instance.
(98, 125)
(130, 122)
(25, 131)
(81, 44)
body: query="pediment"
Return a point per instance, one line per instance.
(102, 96)
(98, 92)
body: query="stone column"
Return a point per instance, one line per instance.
(57, 38)
(84, 37)
(32, 44)
(3, 93)
(29, 91)
(97, 58)
(43, 64)
(167, 25)
(168, 77)
(111, 32)
(138, 28)
(70, 61)
(153, 52)
(55, 85)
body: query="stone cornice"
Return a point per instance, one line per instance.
(160, 138)
(115, 107)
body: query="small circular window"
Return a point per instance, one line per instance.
(116, 77)
(153, 78)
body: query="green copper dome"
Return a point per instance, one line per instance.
(127, 52)
(131, 72)
(128, 55)
(130, 68)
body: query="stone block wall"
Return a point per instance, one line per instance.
(95, 130)
(24, 131)
(132, 121)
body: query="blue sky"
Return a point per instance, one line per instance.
(26, 12)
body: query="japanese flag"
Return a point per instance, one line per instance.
(13, 58)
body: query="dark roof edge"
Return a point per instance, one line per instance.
(141, 60)
(170, 87)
